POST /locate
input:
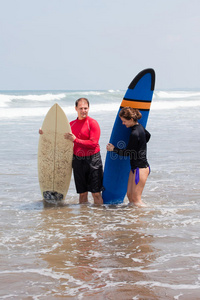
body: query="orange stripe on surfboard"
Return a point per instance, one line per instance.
(136, 104)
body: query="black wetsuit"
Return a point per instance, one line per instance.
(136, 147)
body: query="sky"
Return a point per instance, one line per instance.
(98, 44)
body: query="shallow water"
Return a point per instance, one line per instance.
(73, 251)
(88, 252)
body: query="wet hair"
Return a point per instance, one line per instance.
(129, 113)
(82, 99)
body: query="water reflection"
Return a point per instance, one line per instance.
(96, 252)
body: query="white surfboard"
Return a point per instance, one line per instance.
(55, 155)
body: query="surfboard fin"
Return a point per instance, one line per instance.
(51, 195)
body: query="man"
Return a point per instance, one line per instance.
(87, 164)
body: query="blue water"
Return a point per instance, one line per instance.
(88, 252)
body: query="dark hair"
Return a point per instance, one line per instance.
(82, 99)
(129, 113)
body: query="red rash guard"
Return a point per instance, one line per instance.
(87, 132)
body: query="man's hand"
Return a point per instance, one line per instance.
(69, 136)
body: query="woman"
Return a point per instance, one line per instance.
(136, 149)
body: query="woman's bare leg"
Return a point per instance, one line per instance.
(134, 192)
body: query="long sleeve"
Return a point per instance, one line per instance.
(132, 145)
(148, 135)
(94, 135)
(136, 148)
(87, 133)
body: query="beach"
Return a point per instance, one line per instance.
(72, 251)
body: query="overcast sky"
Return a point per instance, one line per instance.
(98, 44)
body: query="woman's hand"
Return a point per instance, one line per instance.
(110, 147)
(69, 136)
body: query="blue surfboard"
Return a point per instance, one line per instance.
(116, 170)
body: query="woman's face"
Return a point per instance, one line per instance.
(127, 123)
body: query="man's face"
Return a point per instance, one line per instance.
(82, 109)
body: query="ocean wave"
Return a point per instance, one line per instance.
(6, 99)
(14, 113)
(160, 105)
(88, 93)
(26, 104)
(100, 108)
(176, 94)
(114, 91)
(93, 93)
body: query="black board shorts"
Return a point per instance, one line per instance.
(88, 173)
